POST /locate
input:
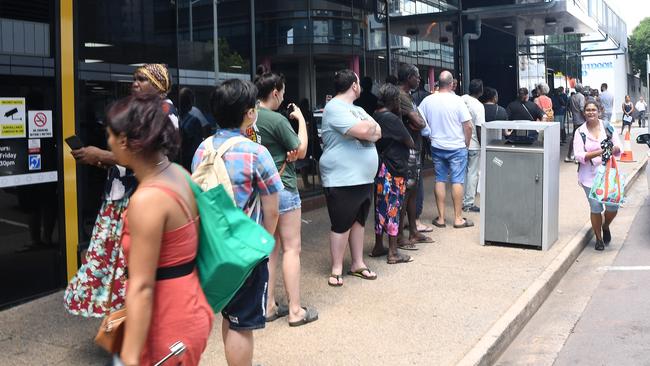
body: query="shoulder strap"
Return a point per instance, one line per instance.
(209, 144)
(531, 116)
(173, 194)
(609, 130)
(229, 143)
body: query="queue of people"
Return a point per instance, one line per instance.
(372, 158)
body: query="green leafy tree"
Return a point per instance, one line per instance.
(639, 47)
(231, 61)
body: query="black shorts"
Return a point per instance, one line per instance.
(347, 205)
(247, 309)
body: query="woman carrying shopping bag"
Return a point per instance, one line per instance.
(594, 143)
(164, 300)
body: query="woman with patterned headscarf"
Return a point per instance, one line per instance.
(99, 284)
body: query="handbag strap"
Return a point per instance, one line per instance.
(531, 116)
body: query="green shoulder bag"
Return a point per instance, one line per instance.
(231, 245)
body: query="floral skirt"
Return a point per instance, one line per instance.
(389, 197)
(88, 292)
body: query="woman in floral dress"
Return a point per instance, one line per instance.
(102, 273)
(390, 183)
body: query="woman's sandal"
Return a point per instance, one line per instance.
(359, 273)
(401, 258)
(338, 278)
(407, 246)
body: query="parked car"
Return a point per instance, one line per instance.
(645, 139)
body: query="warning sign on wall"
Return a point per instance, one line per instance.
(40, 124)
(12, 118)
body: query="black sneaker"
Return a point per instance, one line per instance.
(607, 236)
(600, 245)
(471, 208)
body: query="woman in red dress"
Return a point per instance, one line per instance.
(164, 300)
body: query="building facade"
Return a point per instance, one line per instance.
(62, 62)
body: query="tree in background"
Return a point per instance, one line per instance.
(639, 47)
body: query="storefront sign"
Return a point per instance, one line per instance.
(34, 146)
(12, 118)
(13, 157)
(40, 124)
(34, 162)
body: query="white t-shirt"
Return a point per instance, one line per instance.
(477, 111)
(640, 106)
(445, 113)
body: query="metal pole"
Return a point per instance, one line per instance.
(647, 77)
(253, 46)
(191, 22)
(215, 42)
(388, 57)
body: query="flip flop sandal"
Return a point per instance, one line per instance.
(383, 253)
(401, 259)
(407, 246)
(338, 279)
(280, 311)
(467, 223)
(421, 240)
(427, 229)
(359, 273)
(311, 315)
(436, 224)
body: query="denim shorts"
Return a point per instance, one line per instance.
(450, 164)
(289, 201)
(247, 309)
(597, 207)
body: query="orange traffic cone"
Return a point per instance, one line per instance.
(626, 156)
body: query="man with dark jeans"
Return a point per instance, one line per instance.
(408, 77)
(560, 101)
(576, 107)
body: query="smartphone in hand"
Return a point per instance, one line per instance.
(74, 142)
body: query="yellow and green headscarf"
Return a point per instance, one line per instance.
(158, 76)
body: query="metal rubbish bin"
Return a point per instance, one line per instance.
(520, 185)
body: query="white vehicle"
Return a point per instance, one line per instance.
(645, 139)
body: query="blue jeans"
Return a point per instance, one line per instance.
(289, 201)
(450, 164)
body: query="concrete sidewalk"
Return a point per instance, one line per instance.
(434, 311)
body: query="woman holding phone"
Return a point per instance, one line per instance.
(104, 260)
(274, 131)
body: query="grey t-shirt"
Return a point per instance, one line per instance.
(346, 161)
(607, 100)
(577, 106)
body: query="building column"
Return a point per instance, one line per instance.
(67, 82)
(432, 79)
(354, 64)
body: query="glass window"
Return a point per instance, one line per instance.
(108, 52)
(31, 229)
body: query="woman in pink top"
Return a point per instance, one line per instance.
(164, 300)
(544, 102)
(588, 150)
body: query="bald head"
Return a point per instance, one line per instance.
(445, 80)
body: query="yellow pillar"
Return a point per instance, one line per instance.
(68, 123)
